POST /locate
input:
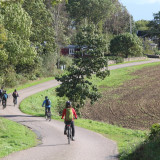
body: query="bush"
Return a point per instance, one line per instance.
(157, 52)
(9, 79)
(61, 105)
(126, 45)
(119, 60)
(155, 131)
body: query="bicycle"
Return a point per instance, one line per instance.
(14, 101)
(69, 131)
(4, 104)
(48, 115)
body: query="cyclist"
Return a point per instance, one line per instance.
(69, 113)
(15, 95)
(1, 93)
(47, 104)
(4, 97)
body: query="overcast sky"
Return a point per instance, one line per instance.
(142, 9)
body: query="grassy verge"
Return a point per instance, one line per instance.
(29, 84)
(14, 137)
(128, 62)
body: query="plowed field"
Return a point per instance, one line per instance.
(135, 104)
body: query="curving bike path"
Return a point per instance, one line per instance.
(88, 145)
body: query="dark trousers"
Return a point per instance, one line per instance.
(47, 109)
(72, 126)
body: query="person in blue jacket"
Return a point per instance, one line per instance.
(47, 104)
(4, 97)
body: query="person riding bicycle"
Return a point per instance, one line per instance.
(47, 104)
(69, 113)
(15, 95)
(4, 97)
(1, 93)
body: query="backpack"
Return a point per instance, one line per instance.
(48, 102)
(69, 114)
(5, 97)
(14, 94)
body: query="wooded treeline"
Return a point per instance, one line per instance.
(33, 31)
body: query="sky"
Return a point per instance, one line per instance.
(142, 9)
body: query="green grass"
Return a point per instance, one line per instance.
(119, 76)
(129, 62)
(29, 84)
(14, 137)
(126, 139)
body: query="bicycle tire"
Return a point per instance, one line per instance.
(69, 137)
(49, 116)
(15, 101)
(4, 104)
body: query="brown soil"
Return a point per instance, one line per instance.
(135, 104)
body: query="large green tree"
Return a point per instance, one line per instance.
(126, 45)
(76, 84)
(142, 25)
(119, 19)
(90, 10)
(43, 35)
(20, 56)
(155, 27)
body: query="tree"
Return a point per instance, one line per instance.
(119, 20)
(92, 10)
(155, 27)
(3, 54)
(76, 84)
(20, 57)
(61, 22)
(126, 45)
(43, 35)
(142, 25)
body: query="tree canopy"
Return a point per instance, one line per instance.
(75, 85)
(126, 45)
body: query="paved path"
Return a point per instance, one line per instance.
(88, 145)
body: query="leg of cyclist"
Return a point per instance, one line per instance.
(65, 128)
(73, 130)
(45, 111)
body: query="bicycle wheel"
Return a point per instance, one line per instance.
(46, 115)
(4, 104)
(49, 116)
(14, 102)
(69, 134)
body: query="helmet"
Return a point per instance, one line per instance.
(46, 97)
(15, 90)
(68, 104)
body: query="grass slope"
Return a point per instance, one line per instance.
(127, 139)
(14, 137)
